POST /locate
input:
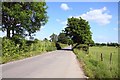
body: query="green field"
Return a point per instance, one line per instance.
(94, 67)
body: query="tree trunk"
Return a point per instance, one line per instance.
(75, 46)
(8, 33)
(13, 33)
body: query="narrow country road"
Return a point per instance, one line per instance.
(55, 64)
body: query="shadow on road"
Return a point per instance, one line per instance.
(67, 49)
(58, 46)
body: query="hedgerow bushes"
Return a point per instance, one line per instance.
(23, 48)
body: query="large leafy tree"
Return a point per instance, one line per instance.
(23, 18)
(78, 30)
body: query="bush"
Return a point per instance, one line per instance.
(14, 51)
(83, 47)
(8, 47)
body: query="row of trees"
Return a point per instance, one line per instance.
(62, 38)
(106, 44)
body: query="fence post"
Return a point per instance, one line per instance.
(101, 57)
(110, 58)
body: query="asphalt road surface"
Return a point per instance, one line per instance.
(55, 64)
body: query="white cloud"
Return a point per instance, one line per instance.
(65, 7)
(99, 16)
(61, 22)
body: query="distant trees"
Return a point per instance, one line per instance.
(62, 38)
(78, 30)
(113, 44)
(106, 44)
(23, 18)
(45, 39)
(54, 38)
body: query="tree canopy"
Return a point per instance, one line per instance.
(78, 30)
(23, 18)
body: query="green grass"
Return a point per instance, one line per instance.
(94, 67)
(15, 57)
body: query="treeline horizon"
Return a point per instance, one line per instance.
(97, 43)
(115, 44)
(94, 44)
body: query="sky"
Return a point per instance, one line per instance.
(102, 17)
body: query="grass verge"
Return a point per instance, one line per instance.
(94, 66)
